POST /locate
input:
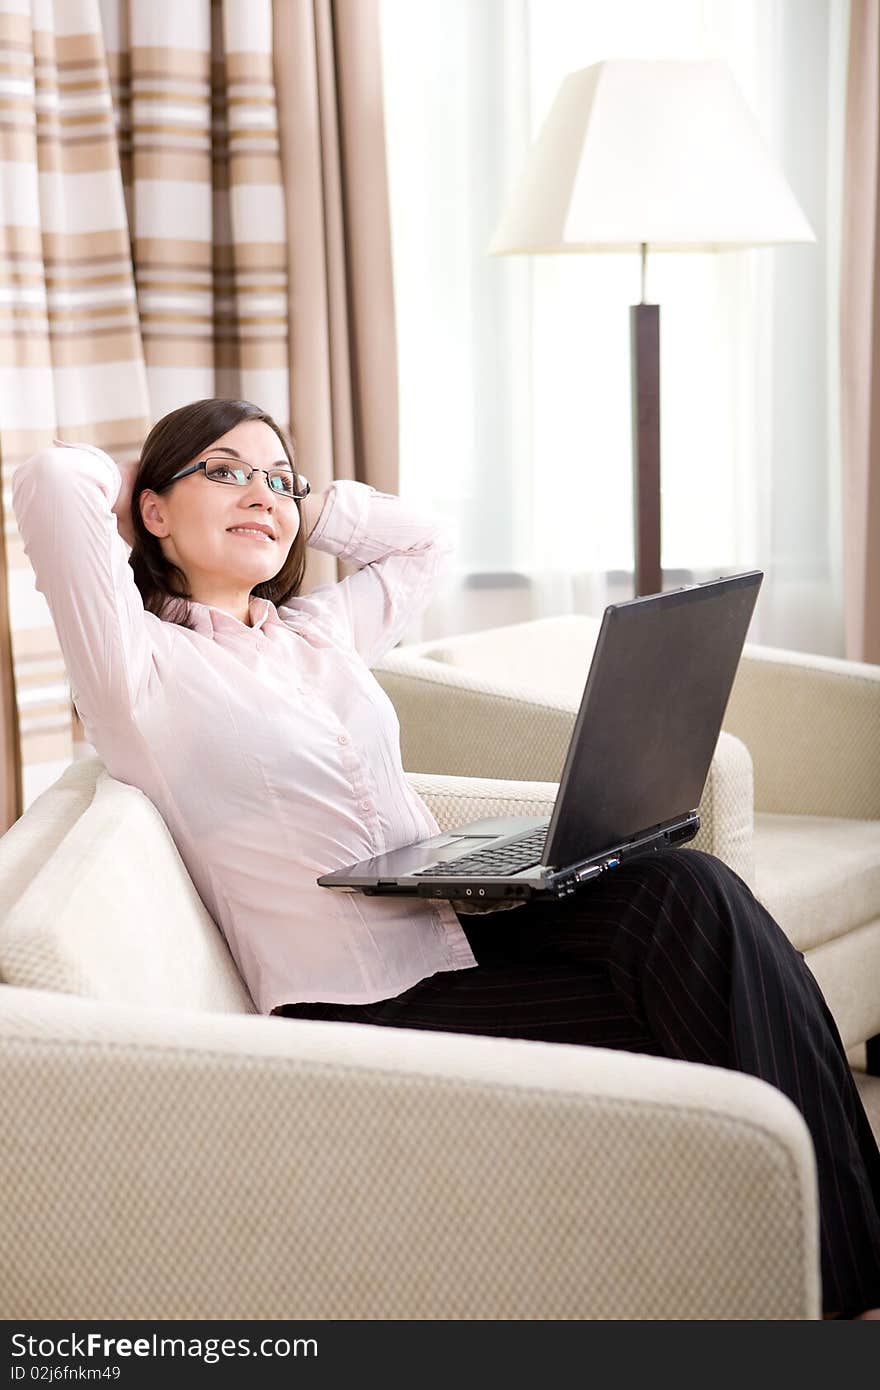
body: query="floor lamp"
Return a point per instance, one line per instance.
(638, 154)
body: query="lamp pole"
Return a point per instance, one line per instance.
(644, 339)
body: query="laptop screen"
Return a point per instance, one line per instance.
(650, 715)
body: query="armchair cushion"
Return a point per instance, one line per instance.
(96, 901)
(818, 875)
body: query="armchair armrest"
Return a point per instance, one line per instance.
(167, 1164)
(466, 725)
(811, 724)
(727, 817)
(456, 800)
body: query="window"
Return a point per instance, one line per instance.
(515, 371)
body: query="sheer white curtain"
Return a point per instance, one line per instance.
(514, 372)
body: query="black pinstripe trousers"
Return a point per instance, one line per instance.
(671, 954)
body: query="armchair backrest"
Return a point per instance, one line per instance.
(95, 900)
(551, 654)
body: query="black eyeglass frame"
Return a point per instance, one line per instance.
(233, 463)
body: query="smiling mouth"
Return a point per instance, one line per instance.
(254, 535)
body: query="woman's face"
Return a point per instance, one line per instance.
(199, 523)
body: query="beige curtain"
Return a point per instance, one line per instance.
(144, 263)
(860, 336)
(343, 363)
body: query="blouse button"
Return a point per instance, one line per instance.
(366, 805)
(343, 738)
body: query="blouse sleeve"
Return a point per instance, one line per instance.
(63, 498)
(403, 553)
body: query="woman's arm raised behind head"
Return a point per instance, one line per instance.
(122, 506)
(64, 500)
(403, 550)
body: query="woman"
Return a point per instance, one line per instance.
(248, 714)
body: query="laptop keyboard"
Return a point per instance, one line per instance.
(506, 859)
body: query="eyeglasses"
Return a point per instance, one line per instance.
(284, 481)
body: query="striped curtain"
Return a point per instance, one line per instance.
(197, 127)
(860, 336)
(143, 264)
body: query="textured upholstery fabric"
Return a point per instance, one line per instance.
(726, 820)
(456, 800)
(100, 904)
(818, 875)
(474, 726)
(847, 970)
(30, 841)
(812, 726)
(169, 1164)
(550, 654)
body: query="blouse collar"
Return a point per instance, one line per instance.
(210, 621)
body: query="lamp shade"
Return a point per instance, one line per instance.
(658, 152)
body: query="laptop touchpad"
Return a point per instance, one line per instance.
(453, 849)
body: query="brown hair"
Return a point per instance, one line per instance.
(171, 444)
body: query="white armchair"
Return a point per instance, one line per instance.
(165, 1153)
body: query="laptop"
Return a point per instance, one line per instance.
(640, 752)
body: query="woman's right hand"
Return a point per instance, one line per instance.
(122, 506)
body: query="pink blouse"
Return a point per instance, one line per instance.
(271, 751)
